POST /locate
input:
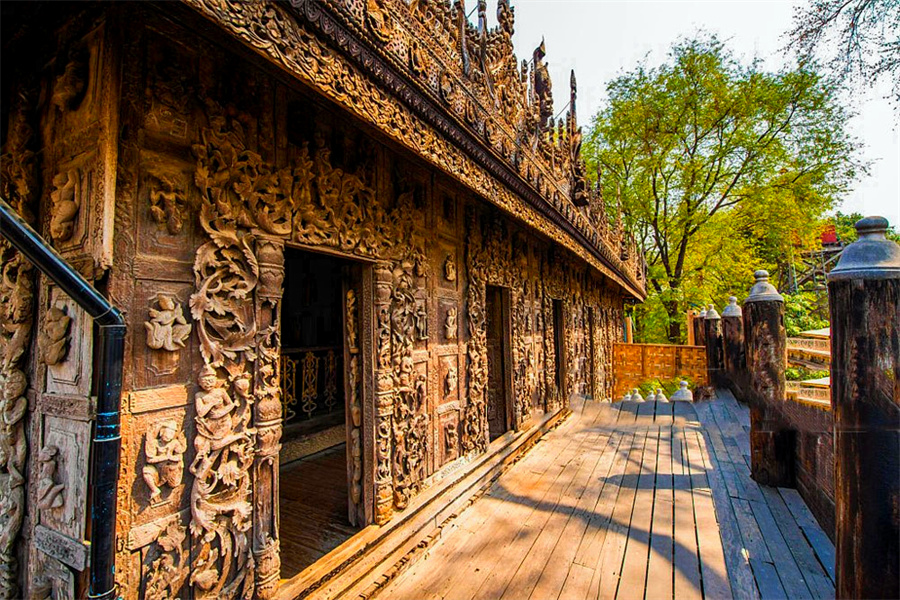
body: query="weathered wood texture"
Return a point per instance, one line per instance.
(634, 364)
(715, 359)
(631, 501)
(865, 380)
(771, 443)
(733, 354)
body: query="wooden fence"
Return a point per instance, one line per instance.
(634, 364)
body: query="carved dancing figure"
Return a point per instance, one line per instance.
(167, 328)
(450, 268)
(165, 447)
(50, 494)
(53, 340)
(450, 326)
(66, 205)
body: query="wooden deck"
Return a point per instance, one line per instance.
(631, 501)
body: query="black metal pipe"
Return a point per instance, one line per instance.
(107, 438)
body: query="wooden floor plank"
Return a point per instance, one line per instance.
(816, 578)
(633, 581)
(792, 578)
(556, 571)
(686, 576)
(740, 575)
(713, 571)
(660, 568)
(577, 583)
(633, 500)
(609, 566)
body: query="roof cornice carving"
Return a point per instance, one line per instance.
(465, 83)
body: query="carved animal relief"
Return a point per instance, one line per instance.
(168, 570)
(53, 339)
(167, 328)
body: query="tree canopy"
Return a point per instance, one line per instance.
(719, 168)
(859, 39)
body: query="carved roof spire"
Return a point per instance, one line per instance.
(573, 92)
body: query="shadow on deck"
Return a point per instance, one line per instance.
(631, 500)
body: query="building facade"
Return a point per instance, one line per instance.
(331, 224)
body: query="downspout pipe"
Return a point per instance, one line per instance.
(107, 437)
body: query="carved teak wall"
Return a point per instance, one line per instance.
(174, 173)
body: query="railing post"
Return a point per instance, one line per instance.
(733, 347)
(771, 447)
(864, 297)
(713, 333)
(700, 329)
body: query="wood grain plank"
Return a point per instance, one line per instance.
(816, 578)
(609, 567)
(633, 581)
(686, 576)
(709, 541)
(660, 568)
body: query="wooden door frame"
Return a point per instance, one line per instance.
(362, 271)
(506, 341)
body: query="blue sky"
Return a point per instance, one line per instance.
(603, 38)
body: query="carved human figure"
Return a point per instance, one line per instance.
(451, 440)
(164, 448)
(65, 206)
(50, 494)
(450, 326)
(421, 317)
(53, 339)
(450, 268)
(167, 204)
(214, 409)
(167, 328)
(451, 380)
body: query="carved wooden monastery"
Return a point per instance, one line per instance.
(360, 263)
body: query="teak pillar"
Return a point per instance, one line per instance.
(712, 325)
(771, 448)
(864, 297)
(733, 359)
(700, 329)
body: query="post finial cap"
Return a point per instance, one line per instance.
(872, 256)
(733, 309)
(762, 290)
(711, 313)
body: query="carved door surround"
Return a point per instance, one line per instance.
(499, 352)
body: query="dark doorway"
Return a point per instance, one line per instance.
(497, 324)
(559, 336)
(313, 487)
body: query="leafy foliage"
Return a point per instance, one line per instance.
(719, 168)
(799, 313)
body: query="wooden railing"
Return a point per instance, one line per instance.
(634, 364)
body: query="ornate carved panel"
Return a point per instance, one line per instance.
(65, 336)
(60, 488)
(164, 335)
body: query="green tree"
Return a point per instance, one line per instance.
(718, 167)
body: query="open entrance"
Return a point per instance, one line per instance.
(559, 336)
(497, 323)
(316, 515)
